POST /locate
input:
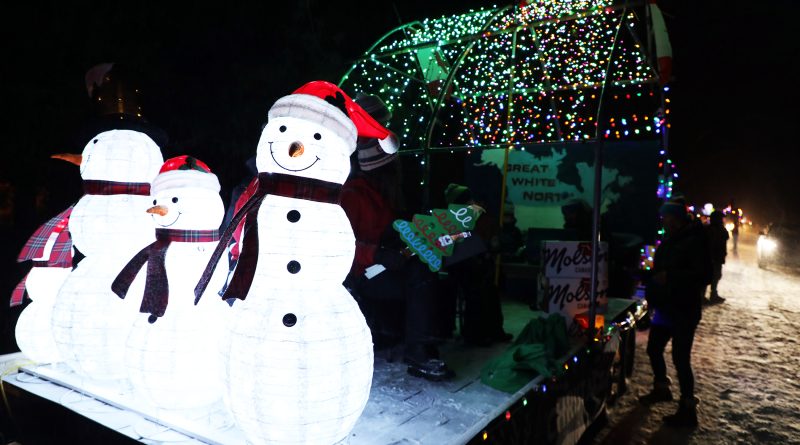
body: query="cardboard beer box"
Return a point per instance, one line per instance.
(570, 296)
(573, 259)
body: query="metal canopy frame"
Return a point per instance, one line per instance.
(491, 28)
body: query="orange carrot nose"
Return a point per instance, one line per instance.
(158, 210)
(296, 149)
(69, 157)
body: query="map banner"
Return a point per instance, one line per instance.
(543, 178)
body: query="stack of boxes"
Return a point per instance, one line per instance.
(566, 278)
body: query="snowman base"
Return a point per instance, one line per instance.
(212, 425)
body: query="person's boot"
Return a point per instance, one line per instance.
(423, 361)
(715, 299)
(686, 416)
(659, 393)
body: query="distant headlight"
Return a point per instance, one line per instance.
(729, 227)
(766, 245)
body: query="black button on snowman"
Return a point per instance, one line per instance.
(293, 216)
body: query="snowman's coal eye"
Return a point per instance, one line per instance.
(282, 129)
(174, 199)
(317, 136)
(155, 201)
(94, 141)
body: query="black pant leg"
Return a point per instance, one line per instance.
(656, 344)
(682, 340)
(382, 301)
(422, 304)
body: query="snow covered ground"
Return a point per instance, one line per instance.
(746, 361)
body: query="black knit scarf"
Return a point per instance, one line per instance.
(156, 287)
(268, 184)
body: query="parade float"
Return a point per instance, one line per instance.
(533, 105)
(536, 106)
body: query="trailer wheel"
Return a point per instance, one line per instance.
(644, 323)
(618, 380)
(630, 352)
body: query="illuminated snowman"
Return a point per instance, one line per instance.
(172, 351)
(109, 224)
(299, 364)
(50, 250)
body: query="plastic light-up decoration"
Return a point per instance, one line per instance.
(33, 332)
(174, 361)
(299, 366)
(90, 323)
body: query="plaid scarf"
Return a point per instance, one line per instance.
(268, 184)
(156, 287)
(94, 187)
(57, 254)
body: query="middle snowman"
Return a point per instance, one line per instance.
(299, 355)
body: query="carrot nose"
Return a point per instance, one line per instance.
(158, 210)
(296, 149)
(69, 157)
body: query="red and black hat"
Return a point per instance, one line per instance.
(184, 171)
(324, 102)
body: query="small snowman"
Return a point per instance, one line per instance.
(109, 224)
(299, 366)
(50, 251)
(171, 355)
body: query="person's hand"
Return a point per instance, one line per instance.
(390, 259)
(660, 278)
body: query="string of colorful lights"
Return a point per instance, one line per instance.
(514, 75)
(577, 361)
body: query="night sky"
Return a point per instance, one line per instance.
(210, 73)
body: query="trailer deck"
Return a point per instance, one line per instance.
(401, 409)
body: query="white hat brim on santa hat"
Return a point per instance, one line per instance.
(314, 109)
(175, 179)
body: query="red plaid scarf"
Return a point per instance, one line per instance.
(59, 255)
(156, 287)
(237, 234)
(94, 187)
(268, 184)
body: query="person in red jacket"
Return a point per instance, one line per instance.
(400, 301)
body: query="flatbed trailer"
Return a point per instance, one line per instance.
(49, 404)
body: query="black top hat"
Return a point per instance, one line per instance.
(116, 100)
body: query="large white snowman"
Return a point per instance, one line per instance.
(172, 356)
(50, 251)
(299, 365)
(109, 224)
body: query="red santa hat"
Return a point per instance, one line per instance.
(324, 102)
(184, 171)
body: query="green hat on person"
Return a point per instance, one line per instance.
(457, 194)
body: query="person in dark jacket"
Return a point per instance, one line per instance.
(402, 300)
(482, 321)
(717, 237)
(681, 272)
(578, 217)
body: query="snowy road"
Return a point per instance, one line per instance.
(746, 361)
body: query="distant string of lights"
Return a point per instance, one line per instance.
(514, 76)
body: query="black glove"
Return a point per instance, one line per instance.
(390, 259)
